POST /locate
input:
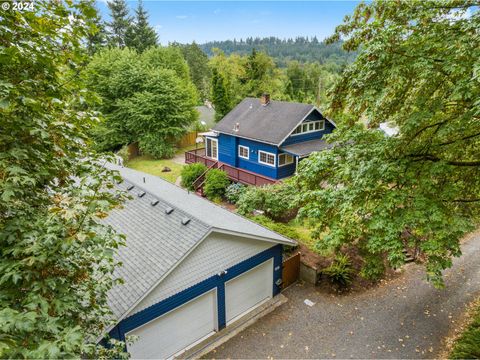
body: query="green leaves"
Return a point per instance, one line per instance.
(419, 189)
(56, 260)
(146, 98)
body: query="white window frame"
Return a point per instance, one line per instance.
(240, 153)
(206, 148)
(286, 163)
(266, 155)
(299, 129)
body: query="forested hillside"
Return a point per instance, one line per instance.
(302, 49)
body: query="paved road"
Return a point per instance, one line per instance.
(404, 318)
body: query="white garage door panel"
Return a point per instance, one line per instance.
(176, 330)
(249, 289)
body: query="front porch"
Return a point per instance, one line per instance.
(235, 174)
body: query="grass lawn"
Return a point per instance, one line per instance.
(154, 167)
(467, 345)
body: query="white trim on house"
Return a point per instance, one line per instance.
(247, 149)
(267, 154)
(286, 162)
(309, 127)
(212, 140)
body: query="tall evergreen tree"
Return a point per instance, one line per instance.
(220, 97)
(121, 23)
(141, 35)
(97, 37)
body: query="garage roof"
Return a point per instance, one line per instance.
(158, 240)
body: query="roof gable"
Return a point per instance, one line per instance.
(157, 242)
(270, 123)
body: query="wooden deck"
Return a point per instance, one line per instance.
(235, 174)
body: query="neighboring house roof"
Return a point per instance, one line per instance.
(271, 123)
(389, 129)
(157, 242)
(207, 115)
(307, 147)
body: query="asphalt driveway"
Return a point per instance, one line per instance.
(404, 318)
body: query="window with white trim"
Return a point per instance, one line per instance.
(266, 158)
(212, 148)
(284, 159)
(243, 152)
(308, 127)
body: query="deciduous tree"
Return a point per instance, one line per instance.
(56, 259)
(418, 69)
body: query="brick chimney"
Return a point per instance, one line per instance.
(265, 99)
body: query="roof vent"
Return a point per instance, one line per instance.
(141, 194)
(168, 210)
(236, 127)
(185, 221)
(130, 187)
(154, 202)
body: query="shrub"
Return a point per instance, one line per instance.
(373, 268)
(277, 201)
(467, 345)
(234, 191)
(340, 272)
(156, 147)
(124, 153)
(253, 198)
(283, 229)
(190, 173)
(216, 182)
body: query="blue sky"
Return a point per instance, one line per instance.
(201, 21)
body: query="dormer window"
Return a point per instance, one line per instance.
(308, 127)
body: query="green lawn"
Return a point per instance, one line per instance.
(154, 167)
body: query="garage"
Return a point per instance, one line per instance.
(176, 330)
(246, 291)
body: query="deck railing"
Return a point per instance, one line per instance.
(235, 174)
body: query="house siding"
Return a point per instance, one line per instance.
(216, 281)
(252, 163)
(287, 170)
(215, 254)
(226, 149)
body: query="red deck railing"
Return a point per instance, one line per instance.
(235, 174)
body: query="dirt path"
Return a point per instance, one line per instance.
(404, 318)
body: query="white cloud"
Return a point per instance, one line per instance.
(181, 17)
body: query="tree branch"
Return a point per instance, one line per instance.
(433, 158)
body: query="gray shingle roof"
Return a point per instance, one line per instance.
(157, 242)
(271, 123)
(307, 147)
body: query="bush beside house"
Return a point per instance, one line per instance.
(216, 183)
(190, 173)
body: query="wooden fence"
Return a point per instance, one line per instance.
(291, 270)
(187, 140)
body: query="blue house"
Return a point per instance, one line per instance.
(266, 138)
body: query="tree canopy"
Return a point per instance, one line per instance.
(417, 69)
(146, 98)
(56, 258)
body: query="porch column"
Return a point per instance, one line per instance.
(296, 165)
